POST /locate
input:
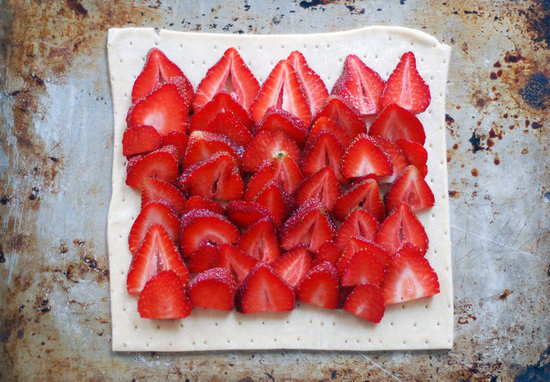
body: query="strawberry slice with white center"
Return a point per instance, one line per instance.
(326, 151)
(320, 286)
(364, 194)
(164, 298)
(344, 115)
(264, 290)
(395, 123)
(235, 260)
(260, 241)
(214, 289)
(359, 223)
(220, 104)
(230, 75)
(154, 190)
(410, 188)
(356, 244)
(282, 168)
(310, 225)
(416, 154)
(366, 301)
(158, 253)
(203, 144)
(363, 267)
(203, 258)
(364, 158)
(160, 164)
(152, 214)
(267, 145)
(276, 200)
(406, 87)
(293, 265)
(283, 90)
(140, 140)
(322, 185)
(245, 213)
(402, 226)
(198, 202)
(398, 159)
(409, 276)
(279, 119)
(215, 178)
(326, 124)
(204, 226)
(360, 86)
(313, 86)
(179, 141)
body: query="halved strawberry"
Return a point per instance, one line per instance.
(364, 194)
(363, 267)
(359, 223)
(416, 154)
(158, 190)
(328, 251)
(293, 265)
(283, 90)
(203, 144)
(199, 203)
(160, 164)
(140, 139)
(164, 109)
(236, 260)
(215, 178)
(266, 145)
(279, 203)
(320, 286)
(313, 86)
(322, 185)
(228, 124)
(366, 301)
(310, 225)
(214, 289)
(157, 253)
(364, 157)
(200, 226)
(152, 214)
(409, 276)
(231, 75)
(395, 123)
(164, 298)
(177, 139)
(221, 103)
(157, 70)
(344, 115)
(325, 151)
(397, 158)
(406, 87)
(245, 213)
(410, 188)
(281, 168)
(205, 257)
(399, 227)
(360, 86)
(279, 119)
(327, 124)
(356, 244)
(260, 241)
(264, 290)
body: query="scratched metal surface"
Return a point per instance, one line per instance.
(55, 161)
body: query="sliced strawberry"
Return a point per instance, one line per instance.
(364, 194)
(320, 286)
(221, 103)
(203, 144)
(235, 260)
(152, 214)
(366, 301)
(228, 124)
(200, 203)
(397, 158)
(360, 86)
(310, 225)
(164, 298)
(322, 186)
(201, 226)
(276, 200)
(205, 257)
(267, 145)
(245, 213)
(215, 178)
(364, 157)
(358, 223)
(416, 154)
(140, 140)
(326, 151)
(231, 75)
(260, 241)
(179, 141)
(406, 87)
(264, 290)
(363, 267)
(399, 227)
(158, 253)
(160, 164)
(164, 109)
(344, 115)
(410, 188)
(326, 124)
(278, 119)
(154, 190)
(397, 123)
(214, 289)
(328, 251)
(282, 169)
(157, 70)
(409, 276)
(293, 265)
(283, 90)
(356, 244)
(313, 86)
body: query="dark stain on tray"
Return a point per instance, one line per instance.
(475, 140)
(504, 295)
(539, 371)
(537, 91)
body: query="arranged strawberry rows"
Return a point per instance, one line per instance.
(256, 197)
